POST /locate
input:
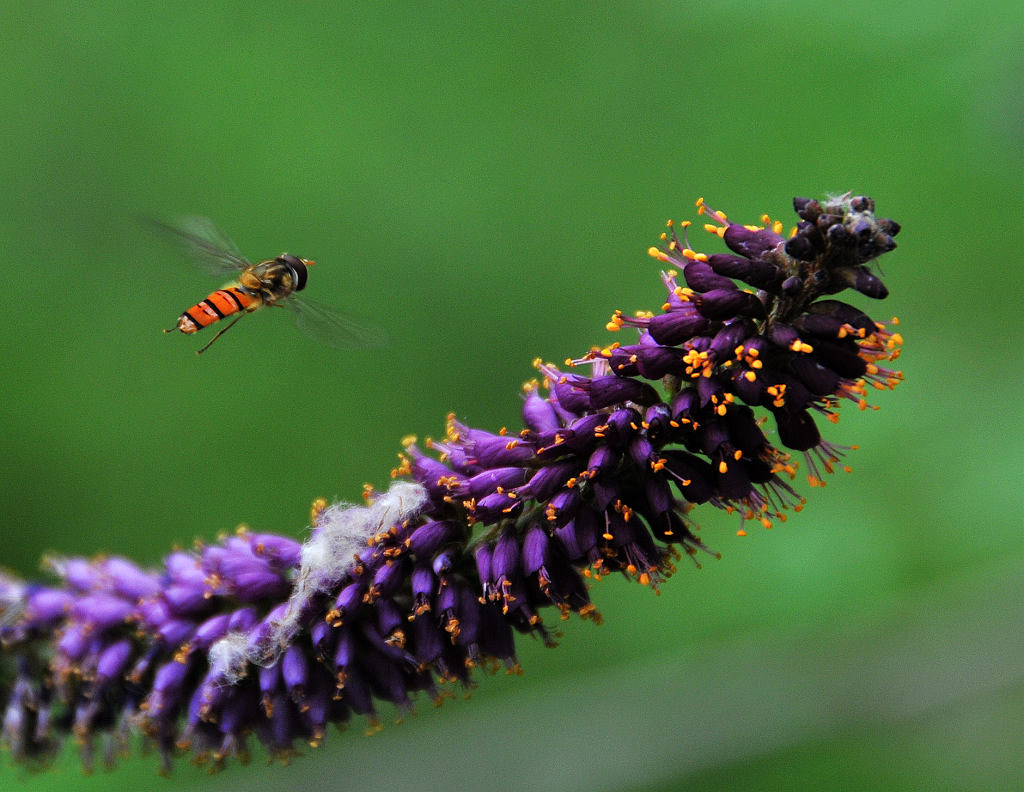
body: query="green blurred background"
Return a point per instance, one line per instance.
(483, 180)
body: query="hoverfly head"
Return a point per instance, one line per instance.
(298, 267)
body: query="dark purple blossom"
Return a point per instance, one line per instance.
(260, 635)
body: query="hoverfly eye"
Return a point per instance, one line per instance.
(298, 268)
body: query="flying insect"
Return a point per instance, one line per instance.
(274, 282)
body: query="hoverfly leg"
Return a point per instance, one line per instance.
(221, 332)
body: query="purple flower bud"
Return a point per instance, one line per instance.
(732, 481)
(47, 604)
(539, 414)
(691, 474)
(659, 496)
(494, 450)
(747, 383)
(483, 556)
(390, 618)
(128, 581)
(100, 611)
(211, 631)
(469, 617)
(724, 344)
(807, 208)
(428, 642)
(320, 634)
(797, 429)
(167, 685)
(685, 405)
(623, 425)
(281, 551)
(295, 673)
(649, 361)
(712, 394)
(496, 506)
(438, 479)
(604, 491)
(604, 460)
(269, 678)
(861, 279)
(428, 538)
(74, 642)
(579, 436)
(152, 613)
(260, 636)
(640, 451)
(761, 274)
(744, 432)
(113, 660)
(570, 392)
(844, 312)
(562, 506)
(843, 359)
(719, 304)
(346, 648)
(348, 600)
(243, 620)
(505, 560)
(535, 548)
(819, 380)
(443, 563)
(389, 577)
(611, 390)
(548, 480)
(175, 631)
(184, 569)
(503, 477)
(782, 335)
(821, 325)
(237, 571)
(701, 277)
(676, 326)
(185, 600)
(424, 585)
(751, 244)
(80, 574)
(802, 248)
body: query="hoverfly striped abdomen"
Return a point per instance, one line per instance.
(223, 302)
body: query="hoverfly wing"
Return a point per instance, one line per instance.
(333, 327)
(208, 246)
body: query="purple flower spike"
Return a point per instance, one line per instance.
(484, 534)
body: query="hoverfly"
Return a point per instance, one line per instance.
(274, 282)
